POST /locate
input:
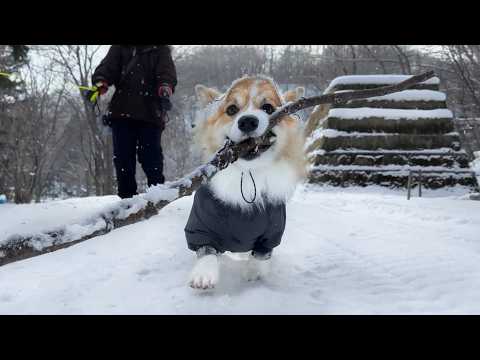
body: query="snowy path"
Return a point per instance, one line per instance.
(351, 252)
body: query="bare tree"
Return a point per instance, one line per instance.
(32, 129)
(77, 63)
(465, 61)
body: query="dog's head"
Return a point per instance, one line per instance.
(241, 113)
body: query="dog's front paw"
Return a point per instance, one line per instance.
(256, 269)
(205, 273)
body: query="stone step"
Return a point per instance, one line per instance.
(459, 160)
(375, 141)
(396, 168)
(372, 81)
(391, 104)
(392, 179)
(381, 124)
(342, 87)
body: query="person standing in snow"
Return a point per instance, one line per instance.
(145, 78)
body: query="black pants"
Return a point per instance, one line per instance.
(132, 138)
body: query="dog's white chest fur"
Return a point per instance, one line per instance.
(275, 182)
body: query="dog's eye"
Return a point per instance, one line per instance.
(232, 110)
(268, 108)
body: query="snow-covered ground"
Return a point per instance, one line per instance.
(345, 251)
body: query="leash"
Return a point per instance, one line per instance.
(254, 187)
(91, 94)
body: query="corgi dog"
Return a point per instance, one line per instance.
(242, 208)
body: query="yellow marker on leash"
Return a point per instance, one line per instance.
(5, 74)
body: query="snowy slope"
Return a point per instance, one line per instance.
(353, 251)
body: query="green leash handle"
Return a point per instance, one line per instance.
(91, 92)
(5, 74)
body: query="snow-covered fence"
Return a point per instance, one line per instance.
(123, 213)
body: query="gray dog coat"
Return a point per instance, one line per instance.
(229, 228)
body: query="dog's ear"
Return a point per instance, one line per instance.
(294, 95)
(205, 95)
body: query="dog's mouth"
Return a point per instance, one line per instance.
(258, 150)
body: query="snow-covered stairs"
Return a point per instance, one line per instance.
(379, 140)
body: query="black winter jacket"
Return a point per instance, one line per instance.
(225, 228)
(135, 97)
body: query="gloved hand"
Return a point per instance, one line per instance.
(164, 93)
(92, 94)
(102, 87)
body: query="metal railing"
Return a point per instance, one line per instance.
(410, 183)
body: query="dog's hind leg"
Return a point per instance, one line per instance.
(257, 267)
(205, 273)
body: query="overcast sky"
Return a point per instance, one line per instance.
(38, 61)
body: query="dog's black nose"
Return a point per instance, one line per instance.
(248, 124)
